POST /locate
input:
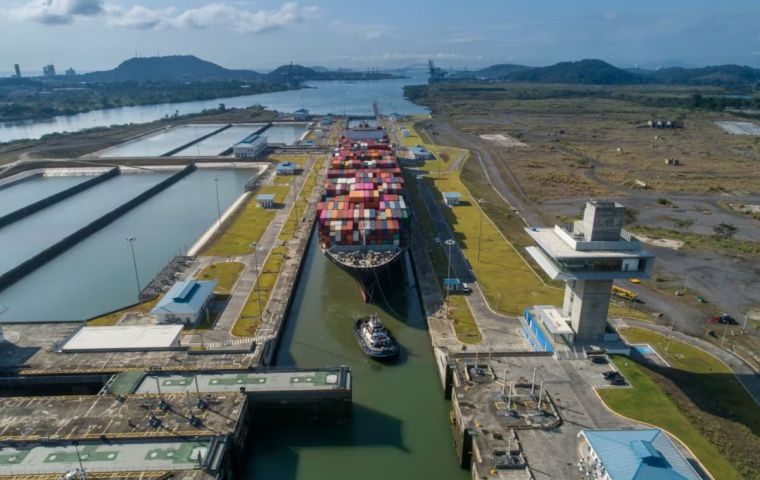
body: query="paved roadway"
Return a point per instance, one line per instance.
(244, 286)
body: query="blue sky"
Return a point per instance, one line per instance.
(261, 34)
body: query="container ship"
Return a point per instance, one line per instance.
(363, 218)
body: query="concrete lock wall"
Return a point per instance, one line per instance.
(35, 207)
(23, 269)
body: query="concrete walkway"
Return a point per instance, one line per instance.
(222, 330)
(497, 329)
(743, 371)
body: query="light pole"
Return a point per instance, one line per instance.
(257, 285)
(131, 241)
(448, 243)
(218, 207)
(480, 226)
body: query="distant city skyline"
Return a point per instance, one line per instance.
(262, 34)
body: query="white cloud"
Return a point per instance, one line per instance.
(367, 31)
(55, 12)
(224, 15)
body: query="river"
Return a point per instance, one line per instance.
(353, 98)
(400, 426)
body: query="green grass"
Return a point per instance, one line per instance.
(709, 374)
(647, 402)
(247, 225)
(289, 229)
(225, 273)
(113, 318)
(695, 241)
(249, 319)
(465, 326)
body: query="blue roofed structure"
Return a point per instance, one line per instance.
(422, 153)
(185, 302)
(632, 455)
(286, 168)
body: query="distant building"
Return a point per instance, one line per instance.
(265, 200)
(451, 198)
(70, 72)
(186, 302)
(48, 70)
(286, 168)
(421, 153)
(588, 256)
(301, 114)
(251, 147)
(631, 455)
(17, 69)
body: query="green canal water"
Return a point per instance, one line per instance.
(400, 426)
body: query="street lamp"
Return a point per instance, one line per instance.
(131, 241)
(257, 285)
(218, 207)
(480, 225)
(448, 243)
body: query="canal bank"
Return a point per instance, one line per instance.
(400, 422)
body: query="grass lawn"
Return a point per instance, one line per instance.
(464, 323)
(112, 318)
(226, 273)
(289, 229)
(712, 377)
(248, 321)
(247, 225)
(503, 274)
(647, 402)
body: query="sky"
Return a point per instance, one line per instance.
(262, 34)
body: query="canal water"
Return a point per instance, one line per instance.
(96, 275)
(352, 98)
(24, 193)
(23, 239)
(400, 426)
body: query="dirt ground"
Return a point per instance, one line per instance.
(583, 147)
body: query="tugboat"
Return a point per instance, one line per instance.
(374, 339)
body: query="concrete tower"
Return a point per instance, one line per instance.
(588, 256)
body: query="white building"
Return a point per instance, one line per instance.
(251, 147)
(186, 302)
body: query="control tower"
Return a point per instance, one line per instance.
(588, 256)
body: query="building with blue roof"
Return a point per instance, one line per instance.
(646, 454)
(186, 302)
(286, 168)
(422, 153)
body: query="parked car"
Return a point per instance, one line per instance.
(610, 374)
(599, 360)
(618, 382)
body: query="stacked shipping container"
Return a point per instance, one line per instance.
(364, 202)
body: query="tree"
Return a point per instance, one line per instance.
(725, 230)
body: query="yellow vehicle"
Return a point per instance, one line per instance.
(624, 293)
(635, 281)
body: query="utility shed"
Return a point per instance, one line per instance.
(185, 302)
(646, 454)
(265, 200)
(422, 153)
(451, 198)
(286, 168)
(124, 338)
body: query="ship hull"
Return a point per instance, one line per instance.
(373, 281)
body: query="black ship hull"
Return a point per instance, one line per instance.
(375, 280)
